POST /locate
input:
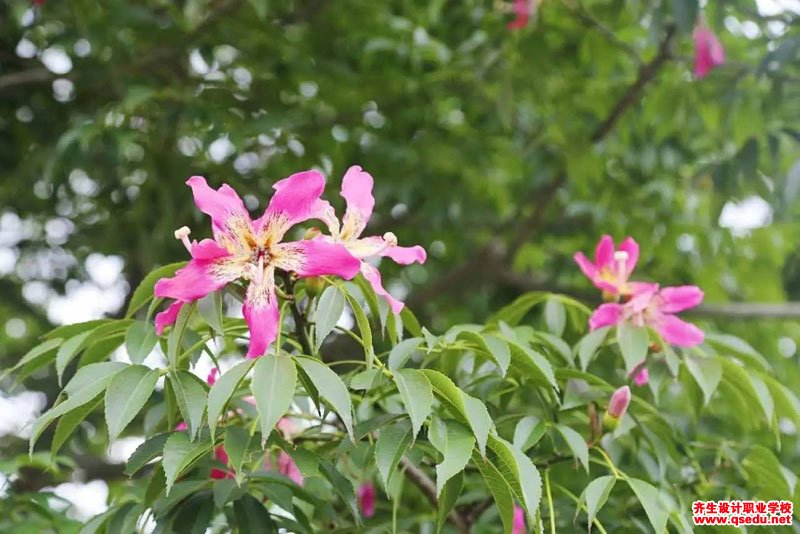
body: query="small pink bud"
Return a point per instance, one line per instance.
(519, 520)
(181, 426)
(212, 376)
(618, 404)
(642, 377)
(366, 499)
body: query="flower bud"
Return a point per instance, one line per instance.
(617, 407)
(366, 499)
(314, 286)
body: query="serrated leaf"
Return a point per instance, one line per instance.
(68, 350)
(237, 441)
(179, 453)
(144, 292)
(343, 487)
(596, 494)
(175, 339)
(223, 389)
(39, 351)
(210, 310)
(145, 452)
(417, 395)
(500, 351)
(447, 499)
(500, 490)
(366, 380)
(513, 313)
(456, 450)
(651, 502)
(331, 389)
(588, 345)
(191, 395)
(93, 373)
(392, 443)
(226, 490)
(69, 422)
(410, 322)
(528, 432)
(273, 384)
(576, 444)
(140, 339)
(532, 364)
(126, 395)
(633, 343)
(252, 517)
(555, 316)
(707, 372)
(401, 352)
(329, 309)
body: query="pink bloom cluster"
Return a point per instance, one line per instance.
(639, 303)
(251, 250)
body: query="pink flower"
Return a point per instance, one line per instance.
(252, 250)
(519, 520)
(357, 192)
(656, 308)
(708, 51)
(619, 402)
(641, 376)
(288, 468)
(212, 376)
(221, 456)
(366, 499)
(522, 12)
(611, 268)
(181, 426)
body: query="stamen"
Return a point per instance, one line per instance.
(389, 241)
(259, 277)
(182, 234)
(621, 257)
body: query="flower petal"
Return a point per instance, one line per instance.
(678, 332)
(587, 267)
(230, 219)
(168, 316)
(675, 299)
(357, 191)
(406, 255)
(604, 253)
(632, 248)
(288, 468)
(323, 211)
(605, 315)
(708, 52)
(294, 201)
(261, 314)
(519, 520)
(315, 257)
(199, 277)
(373, 276)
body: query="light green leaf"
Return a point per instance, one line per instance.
(576, 444)
(68, 350)
(555, 316)
(532, 364)
(331, 388)
(237, 440)
(175, 340)
(366, 380)
(144, 292)
(727, 343)
(401, 352)
(145, 452)
(500, 490)
(190, 392)
(392, 443)
(210, 310)
(651, 502)
(500, 351)
(596, 494)
(588, 345)
(329, 309)
(528, 432)
(39, 351)
(92, 373)
(140, 339)
(180, 453)
(126, 395)
(223, 389)
(633, 342)
(764, 397)
(513, 313)
(68, 423)
(363, 329)
(410, 322)
(448, 498)
(707, 372)
(343, 487)
(273, 384)
(457, 449)
(417, 394)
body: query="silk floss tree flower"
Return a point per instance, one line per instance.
(252, 250)
(656, 308)
(357, 192)
(612, 267)
(366, 498)
(708, 51)
(617, 406)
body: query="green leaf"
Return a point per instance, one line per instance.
(472, 410)
(331, 388)
(223, 389)
(342, 486)
(144, 292)
(456, 449)
(765, 474)
(500, 352)
(273, 384)
(126, 395)
(190, 392)
(69, 330)
(707, 372)
(576, 444)
(237, 441)
(417, 394)
(685, 12)
(410, 322)
(175, 340)
(329, 310)
(39, 352)
(226, 490)
(363, 329)
(500, 490)
(596, 494)
(401, 352)
(68, 350)
(210, 310)
(261, 7)
(140, 339)
(513, 313)
(651, 502)
(145, 452)
(447, 499)
(555, 316)
(528, 432)
(91, 374)
(366, 380)
(252, 517)
(633, 342)
(588, 345)
(742, 383)
(532, 364)
(180, 453)
(727, 343)
(67, 424)
(392, 443)
(520, 473)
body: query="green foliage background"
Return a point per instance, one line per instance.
(501, 152)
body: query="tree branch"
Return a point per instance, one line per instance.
(418, 477)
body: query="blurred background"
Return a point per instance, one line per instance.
(503, 137)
